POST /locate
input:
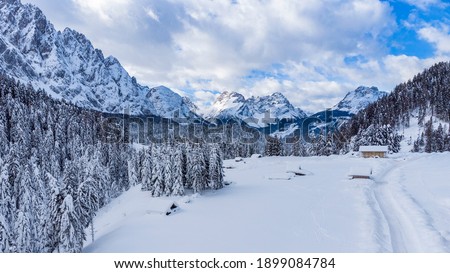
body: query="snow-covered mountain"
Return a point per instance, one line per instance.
(255, 111)
(227, 105)
(66, 65)
(194, 108)
(359, 99)
(354, 102)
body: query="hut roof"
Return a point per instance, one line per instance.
(373, 149)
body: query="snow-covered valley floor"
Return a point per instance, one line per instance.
(404, 208)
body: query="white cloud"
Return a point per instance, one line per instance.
(439, 37)
(426, 4)
(223, 42)
(107, 10)
(204, 100)
(267, 86)
(152, 14)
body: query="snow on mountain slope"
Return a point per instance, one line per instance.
(168, 103)
(256, 111)
(359, 99)
(192, 107)
(226, 105)
(66, 65)
(404, 208)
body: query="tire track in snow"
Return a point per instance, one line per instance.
(410, 226)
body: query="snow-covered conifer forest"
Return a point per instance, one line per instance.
(58, 167)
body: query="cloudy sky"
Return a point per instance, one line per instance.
(313, 51)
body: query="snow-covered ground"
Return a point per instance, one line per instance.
(404, 208)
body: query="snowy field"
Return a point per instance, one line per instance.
(404, 208)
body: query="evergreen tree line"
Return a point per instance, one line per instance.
(55, 171)
(319, 145)
(58, 166)
(170, 170)
(380, 135)
(433, 139)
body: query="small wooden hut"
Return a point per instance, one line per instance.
(373, 151)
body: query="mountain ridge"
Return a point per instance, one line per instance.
(358, 99)
(257, 111)
(67, 66)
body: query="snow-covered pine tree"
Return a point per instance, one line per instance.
(7, 207)
(114, 170)
(196, 170)
(118, 169)
(186, 161)
(273, 146)
(133, 168)
(24, 228)
(139, 165)
(168, 162)
(5, 236)
(71, 232)
(386, 135)
(56, 201)
(132, 174)
(24, 232)
(147, 172)
(88, 201)
(429, 140)
(44, 230)
(205, 153)
(158, 176)
(3, 134)
(178, 187)
(328, 147)
(100, 175)
(40, 205)
(439, 139)
(447, 141)
(15, 173)
(124, 151)
(215, 168)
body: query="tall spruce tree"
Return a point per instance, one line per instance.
(147, 172)
(196, 170)
(215, 168)
(158, 176)
(178, 187)
(168, 169)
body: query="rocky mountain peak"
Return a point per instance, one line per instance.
(234, 106)
(359, 99)
(67, 66)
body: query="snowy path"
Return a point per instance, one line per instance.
(410, 226)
